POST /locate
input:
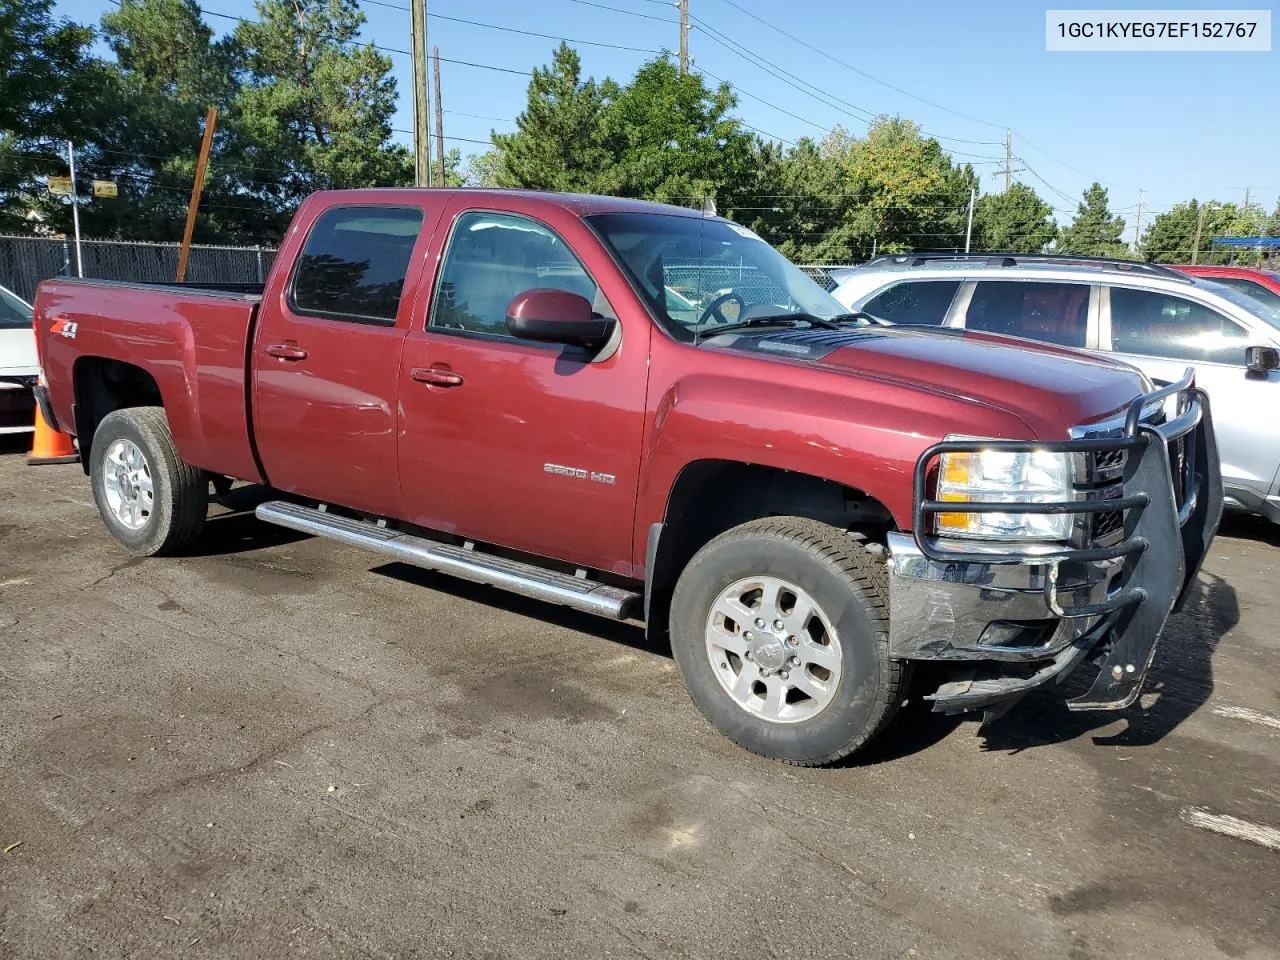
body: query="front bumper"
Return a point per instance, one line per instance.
(1021, 616)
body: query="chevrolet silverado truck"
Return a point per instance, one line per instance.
(647, 413)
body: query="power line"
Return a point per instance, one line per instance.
(897, 89)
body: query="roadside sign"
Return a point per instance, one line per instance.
(1247, 242)
(60, 186)
(104, 188)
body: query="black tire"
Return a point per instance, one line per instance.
(848, 584)
(180, 491)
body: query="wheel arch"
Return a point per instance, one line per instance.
(710, 496)
(103, 385)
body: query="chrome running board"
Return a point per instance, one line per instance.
(525, 579)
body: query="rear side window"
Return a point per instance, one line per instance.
(1048, 312)
(916, 301)
(491, 258)
(354, 262)
(1251, 288)
(1163, 325)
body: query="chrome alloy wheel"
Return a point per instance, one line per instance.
(773, 649)
(126, 481)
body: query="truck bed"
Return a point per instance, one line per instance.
(189, 342)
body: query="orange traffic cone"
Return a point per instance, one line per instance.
(50, 445)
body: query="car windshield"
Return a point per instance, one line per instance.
(1262, 311)
(13, 312)
(699, 273)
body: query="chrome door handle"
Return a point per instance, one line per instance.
(286, 351)
(436, 376)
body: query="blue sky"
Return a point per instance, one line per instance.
(1177, 125)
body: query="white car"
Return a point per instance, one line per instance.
(19, 365)
(1151, 316)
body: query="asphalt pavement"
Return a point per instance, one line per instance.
(280, 747)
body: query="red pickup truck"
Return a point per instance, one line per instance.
(646, 412)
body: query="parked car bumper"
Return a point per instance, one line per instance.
(1014, 618)
(17, 405)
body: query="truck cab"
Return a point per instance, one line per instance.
(646, 412)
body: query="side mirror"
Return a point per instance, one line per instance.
(1261, 360)
(557, 316)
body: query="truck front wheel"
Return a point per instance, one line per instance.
(780, 629)
(149, 498)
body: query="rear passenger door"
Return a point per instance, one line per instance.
(1051, 311)
(326, 356)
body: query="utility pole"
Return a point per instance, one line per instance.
(1195, 244)
(1009, 169)
(210, 121)
(684, 37)
(75, 207)
(968, 233)
(421, 129)
(435, 79)
(1137, 222)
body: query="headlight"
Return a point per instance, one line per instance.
(988, 476)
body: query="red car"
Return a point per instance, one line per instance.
(1262, 285)
(507, 387)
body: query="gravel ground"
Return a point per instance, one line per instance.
(281, 747)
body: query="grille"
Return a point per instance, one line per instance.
(1106, 526)
(1107, 464)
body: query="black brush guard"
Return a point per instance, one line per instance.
(1169, 522)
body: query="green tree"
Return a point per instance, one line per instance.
(1171, 236)
(45, 71)
(909, 195)
(559, 142)
(167, 71)
(673, 139)
(1094, 231)
(314, 106)
(1015, 221)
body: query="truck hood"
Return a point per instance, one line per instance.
(1051, 389)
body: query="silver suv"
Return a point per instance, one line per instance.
(1153, 317)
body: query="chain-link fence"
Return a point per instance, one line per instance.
(702, 283)
(25, 261)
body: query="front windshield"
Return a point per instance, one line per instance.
(700, 273)
(1263, 311)
(13, 312)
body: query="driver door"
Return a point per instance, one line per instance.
(533, 446)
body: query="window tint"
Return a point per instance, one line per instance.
(13, 312)
(1251, 288)
(354, 263)
(1049, 312)
(1163, 325)
(916, 301)
(491, 258)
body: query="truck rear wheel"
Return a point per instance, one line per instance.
(780, 629)
(149, 498)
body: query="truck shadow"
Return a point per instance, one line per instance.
(1181, 680)
(629, 633)
(232, 528)
(1244, 526)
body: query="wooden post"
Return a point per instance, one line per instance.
(684, 37)
(421, 119)
(435, 82)
(210, 122)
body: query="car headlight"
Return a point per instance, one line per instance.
(988, 476)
